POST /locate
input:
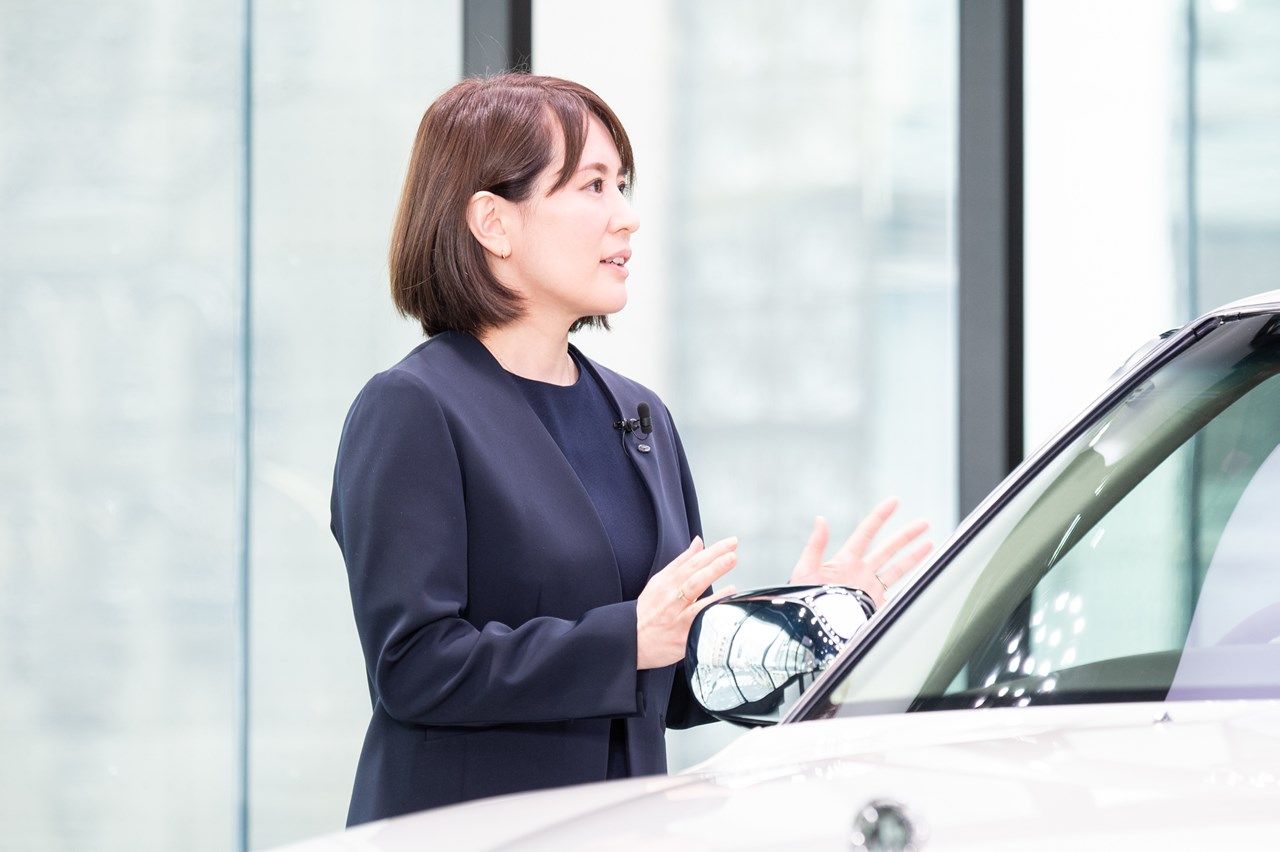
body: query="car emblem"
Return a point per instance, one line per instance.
(883, 826)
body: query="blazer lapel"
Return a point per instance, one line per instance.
(654, 456)
(558, 479)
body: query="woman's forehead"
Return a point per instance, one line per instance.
(599, 153)
(599, 149)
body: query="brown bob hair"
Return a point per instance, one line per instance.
(485, 133)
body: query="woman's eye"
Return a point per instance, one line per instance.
(597, 185)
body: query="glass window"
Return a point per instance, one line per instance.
(339, 91)
(120, 203)
(1161, 562)
(1152, 182)
(120, 345)
(792, 285)
(1139, 565)
(1105, 194)
(1236, 161)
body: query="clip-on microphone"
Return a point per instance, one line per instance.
(644, 423)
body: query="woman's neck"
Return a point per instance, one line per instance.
(533, 350)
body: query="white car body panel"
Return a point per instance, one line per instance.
(1054, 777)
(1271, 297)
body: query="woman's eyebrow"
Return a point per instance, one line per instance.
(594, 167)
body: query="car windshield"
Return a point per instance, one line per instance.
(1142, 562)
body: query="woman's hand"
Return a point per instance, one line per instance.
(851, 566)
(666, 607)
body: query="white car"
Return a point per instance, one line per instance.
(1091, 661)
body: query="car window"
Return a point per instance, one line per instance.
(1115, 611)
(1143, 563)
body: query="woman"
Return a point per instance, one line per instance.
(519, 523)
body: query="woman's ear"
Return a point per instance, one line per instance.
(485, 219)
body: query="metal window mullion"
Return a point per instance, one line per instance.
(989, 246)
(497, 36)
(244, 466)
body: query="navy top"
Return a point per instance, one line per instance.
(580, 419)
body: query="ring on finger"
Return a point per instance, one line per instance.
(883, 587)
(683, 596)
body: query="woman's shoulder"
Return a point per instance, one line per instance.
(422, 387)
(439, 367)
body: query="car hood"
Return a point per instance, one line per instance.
(1173, 775)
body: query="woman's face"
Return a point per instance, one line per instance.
(562, 243)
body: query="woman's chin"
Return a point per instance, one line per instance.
(606, 300)
(612, 305)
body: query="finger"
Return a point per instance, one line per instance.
(910, 560)
(699, 582)
(689, 552)
(705, 557)
(857, 543)
(705, 577)
(811, 553)
(893, 545)
(701, 604)
(676, 566)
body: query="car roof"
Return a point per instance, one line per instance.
(1271, 297)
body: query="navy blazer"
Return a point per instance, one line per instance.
(497, 643)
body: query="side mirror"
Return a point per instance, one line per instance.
(753, 654)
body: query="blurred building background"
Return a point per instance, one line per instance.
(195, 200)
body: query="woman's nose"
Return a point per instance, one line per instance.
(626, 219)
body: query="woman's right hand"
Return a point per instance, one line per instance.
(668, 604)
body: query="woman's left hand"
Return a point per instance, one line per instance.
(851, 566)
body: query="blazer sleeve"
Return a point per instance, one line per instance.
(399, 516)
(682, 710)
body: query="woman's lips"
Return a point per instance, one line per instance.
(617, 268)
